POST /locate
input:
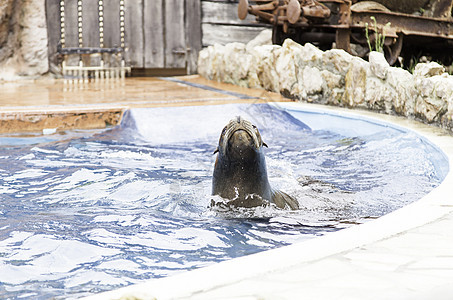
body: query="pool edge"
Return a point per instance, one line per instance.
(59, 118)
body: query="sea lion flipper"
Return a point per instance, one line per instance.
(283, 200)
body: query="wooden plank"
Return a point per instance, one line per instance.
(71, 29)
(90, 24)
(111, 23)
(134, 33)
(193, 36)
(223, 34)
(224, 13)
(154, 56)
(53, 33)
(90, 28)
(175, 45)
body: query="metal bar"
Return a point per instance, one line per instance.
(122, 37)
(101, 23)
(95, 68)
(88, 50)
(406, 24)
(122, 25)
(80, 26)
(267, 6)
(79, 22)
(267, 16)
(343, 39)
(62, 24)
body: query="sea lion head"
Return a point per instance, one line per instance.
(240, 140)
(240, 174)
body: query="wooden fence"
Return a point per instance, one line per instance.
(160, 34)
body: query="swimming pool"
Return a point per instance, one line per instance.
(92, 211)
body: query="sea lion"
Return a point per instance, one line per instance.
(240, 173)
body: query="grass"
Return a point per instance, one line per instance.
(379, 36)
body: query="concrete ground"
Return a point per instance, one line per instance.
(407, 254)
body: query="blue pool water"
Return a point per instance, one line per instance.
(89, 211)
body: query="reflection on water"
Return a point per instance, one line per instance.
(82, 214)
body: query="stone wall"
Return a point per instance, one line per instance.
(23, 39)
(333, 77)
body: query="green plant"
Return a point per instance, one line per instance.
(412, 63)
(379, 36)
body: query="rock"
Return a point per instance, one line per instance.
(211, 62)
(404, 96)
(378, 64)
(204, 64)
(430, 109)
(336, 61)
(428, 69)
(311, 55)
(237, 66)
(447, 118)
(295, 66)
(263, 63)
(24, 45)
(332, 80)
(335, 77)
(264, 38)
(433, 95)
(355, 82)
(443, 87)
(312, 80)
(334, 88)
(287, 67)
(6, 7)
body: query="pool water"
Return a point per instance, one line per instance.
(89, 211)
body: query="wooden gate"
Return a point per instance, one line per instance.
(159, 34)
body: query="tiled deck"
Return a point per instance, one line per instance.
(407, 254)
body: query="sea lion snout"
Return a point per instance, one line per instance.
(240, 131)
(241, 145)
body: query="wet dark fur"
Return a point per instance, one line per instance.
(240, 173)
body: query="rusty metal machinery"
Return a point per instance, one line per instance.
(406, 26)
